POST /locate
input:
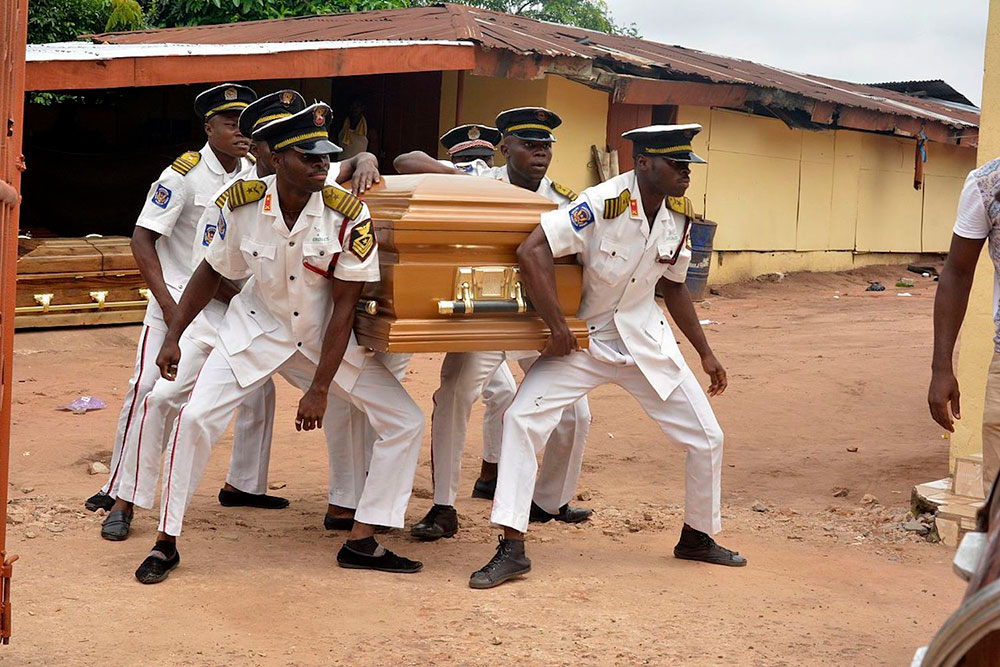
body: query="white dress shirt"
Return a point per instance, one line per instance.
(287, 301)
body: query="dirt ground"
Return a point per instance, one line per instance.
(817, 367)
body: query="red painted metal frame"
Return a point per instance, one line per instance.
(13, 31)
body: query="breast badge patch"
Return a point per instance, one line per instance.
(362, 240)
(222, 226)
(161, 196)
(206, 240)
(580, 216)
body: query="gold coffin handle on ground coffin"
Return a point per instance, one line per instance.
(450, 281)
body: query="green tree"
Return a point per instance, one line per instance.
(65, 20)
(592, 14)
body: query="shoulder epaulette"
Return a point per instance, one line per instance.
(186, 162)
(242, 192)
(617, 205)
(681, 205)
(251, 158)
(342, 201)
(564, 191)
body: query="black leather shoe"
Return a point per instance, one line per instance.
(382, 560)
(99, 501)
(566, 514)
(116, 525)
(338, 522)
(441, 521)
(156, 567)
(485, 488)
(696, 545)
(243, 499)
(509, 562)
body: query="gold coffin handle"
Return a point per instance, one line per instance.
(468, 306)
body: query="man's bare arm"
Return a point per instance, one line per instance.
(202, 287)
(950, 304)
(361, 170)
(678, 301)
(538, 272)
(419, 162)
(143, 246)
(312, 405)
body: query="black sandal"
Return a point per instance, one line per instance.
(156, 567)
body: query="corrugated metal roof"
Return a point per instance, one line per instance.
(935, 88)
(528, 37)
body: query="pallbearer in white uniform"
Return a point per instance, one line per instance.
(305, 249)
(162, 244)
(631, 235)
(247, 482)
(527, 147)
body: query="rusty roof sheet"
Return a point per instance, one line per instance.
(528, 37)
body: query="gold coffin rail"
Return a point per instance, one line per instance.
(98, 302)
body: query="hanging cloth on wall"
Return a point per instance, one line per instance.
(919, 157)
(353, 140)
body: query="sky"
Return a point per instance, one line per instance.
(865, 41)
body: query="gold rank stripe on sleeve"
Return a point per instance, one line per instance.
(342, 202)
(617, 205)
(241, 193)
(681, 205)
(186, 162)
(564, 191)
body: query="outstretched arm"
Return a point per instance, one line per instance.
(950, 303)
(200, 289)
(681, 309)
(312, 405)
(419, 162)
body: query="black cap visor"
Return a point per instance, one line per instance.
(317, 147)
(533, 135)
(472, 153)
(682, 156)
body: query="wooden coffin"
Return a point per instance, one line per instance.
(447, 251)
(76, 281)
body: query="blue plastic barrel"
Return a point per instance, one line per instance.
(702, 235)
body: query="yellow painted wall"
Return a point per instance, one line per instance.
(774, 189)
(976, 348)
(731, 267)
(584, 112)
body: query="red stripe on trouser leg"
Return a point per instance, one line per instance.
(135, 397)
(138, 447)
(170, 468)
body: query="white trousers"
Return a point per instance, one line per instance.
(553, 383)
(216, 395)
(144, 443)
(144, 376)
(464, 377)
(350, 438)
